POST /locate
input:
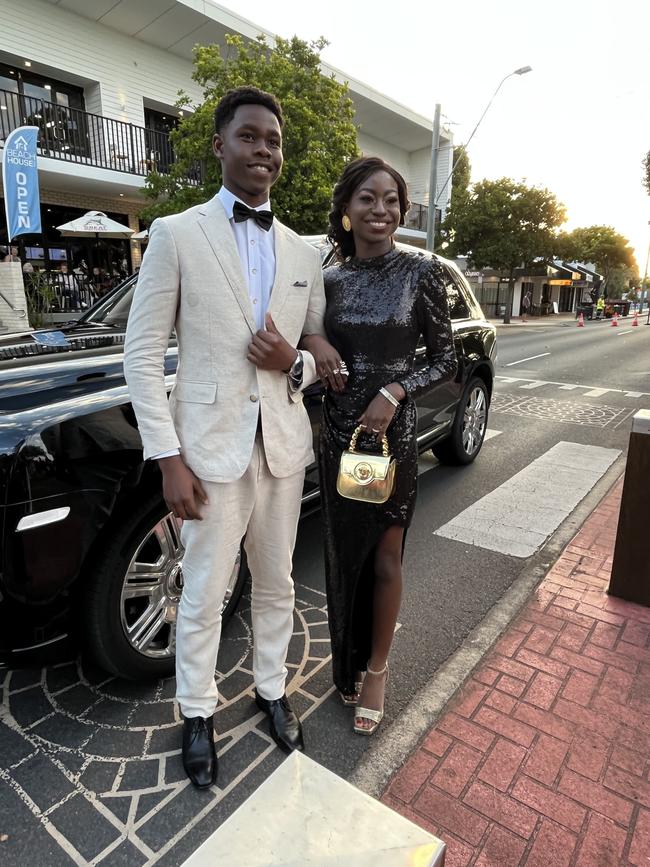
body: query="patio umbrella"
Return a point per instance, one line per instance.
(140, 236)
(95, 223)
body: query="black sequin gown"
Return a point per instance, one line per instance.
(377, 309)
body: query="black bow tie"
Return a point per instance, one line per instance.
(241, 212)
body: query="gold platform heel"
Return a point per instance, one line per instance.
(367, 713)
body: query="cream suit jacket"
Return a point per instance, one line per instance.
(191, 279)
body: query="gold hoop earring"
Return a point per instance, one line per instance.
(347, 225)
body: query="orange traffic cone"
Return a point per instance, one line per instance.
(615, 320)
(635, 321)
(581, 321)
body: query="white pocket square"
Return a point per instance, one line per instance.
(301, 283)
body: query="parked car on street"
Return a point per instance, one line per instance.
(91, 556)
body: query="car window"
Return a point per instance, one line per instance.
(458, 307)
(114, 308)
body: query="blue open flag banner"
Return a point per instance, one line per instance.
(20, 182)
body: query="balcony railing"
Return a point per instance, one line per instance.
(77, 136)
(417, 216)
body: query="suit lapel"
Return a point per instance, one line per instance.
(280, 289)
(214, 224)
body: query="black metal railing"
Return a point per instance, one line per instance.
(416, 217)
(54, 292)
(78, 136)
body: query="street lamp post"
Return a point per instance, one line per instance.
(521, 71)
(433, 178)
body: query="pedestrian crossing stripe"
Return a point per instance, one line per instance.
(521, 514)
(427, 461)
(589, 390)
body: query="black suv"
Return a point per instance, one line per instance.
(90, 554)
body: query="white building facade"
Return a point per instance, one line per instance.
(101, 78)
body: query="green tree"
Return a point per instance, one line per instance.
(506, 225)
(460, 184)
(606, 248)
(646, 172)
(319, 135)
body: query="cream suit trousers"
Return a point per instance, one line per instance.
(265, 509)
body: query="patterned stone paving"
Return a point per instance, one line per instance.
(549, 409)
(91, 764)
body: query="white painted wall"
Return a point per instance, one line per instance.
(396, 156)
(124, 69)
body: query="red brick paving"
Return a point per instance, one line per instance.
(542, 758)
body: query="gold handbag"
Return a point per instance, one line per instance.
(366, 477)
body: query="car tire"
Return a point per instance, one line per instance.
(468, 430)
(119, 601)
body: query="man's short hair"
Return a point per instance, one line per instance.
(232, 99)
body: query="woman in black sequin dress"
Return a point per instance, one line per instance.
(380, 300)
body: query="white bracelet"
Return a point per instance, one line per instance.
(389, 397)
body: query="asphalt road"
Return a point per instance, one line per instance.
(89, 766)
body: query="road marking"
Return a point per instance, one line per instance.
(536, 383)
(625, 418)
(569, 386)
(530, 358)
(633, 394)
(427, 461)
(489, 434)
(627, 331)
(596, 392)
(519, 516)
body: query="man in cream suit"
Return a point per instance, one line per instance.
(234, 438)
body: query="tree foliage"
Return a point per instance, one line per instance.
(319, 134)
(646, 172)
(604, 246)
(505, 224)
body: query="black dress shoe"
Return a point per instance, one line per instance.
(199, 754)
(285, 726)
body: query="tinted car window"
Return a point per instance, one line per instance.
(458, 308)
(114, 309)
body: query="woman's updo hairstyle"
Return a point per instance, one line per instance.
(354, 174)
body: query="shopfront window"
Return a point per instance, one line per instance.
(97, 264)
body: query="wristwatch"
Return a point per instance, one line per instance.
(295, 371)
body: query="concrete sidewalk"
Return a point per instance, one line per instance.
(546, 321)
(556, 320)
(543, 757)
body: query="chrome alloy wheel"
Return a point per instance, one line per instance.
(151, 590)
(474, 420)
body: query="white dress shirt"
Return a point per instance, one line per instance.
(256, 253)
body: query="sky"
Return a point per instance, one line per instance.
(578, 124)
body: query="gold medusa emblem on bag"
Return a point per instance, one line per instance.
(363, 473)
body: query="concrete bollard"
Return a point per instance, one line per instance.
(630, 578)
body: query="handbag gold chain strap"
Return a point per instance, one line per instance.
(355, 436)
